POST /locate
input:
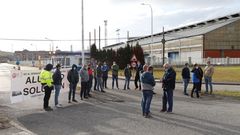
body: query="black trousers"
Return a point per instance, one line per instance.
(72, 91)
(89, 85)
(47, 91)
(104, 82)
(84, 88)
(196, 88)
(95, 83)
(136, 81)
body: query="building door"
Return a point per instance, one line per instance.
(173, 56)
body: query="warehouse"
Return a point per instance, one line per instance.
(215, 38)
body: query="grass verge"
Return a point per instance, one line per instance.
(226, 93)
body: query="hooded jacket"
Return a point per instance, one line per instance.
(169, 79)
(46, 76)
(84, 74)
(73, 76)
(147, 81)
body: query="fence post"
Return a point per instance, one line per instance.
(228, 60)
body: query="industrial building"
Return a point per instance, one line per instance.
(40, 58)
(217, 38)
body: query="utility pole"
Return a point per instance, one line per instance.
(105, 23)
(95, 36)
(83, 57)
(118, 35)
(99, 38)
(127, 35)
(90, 40)
(163, 47)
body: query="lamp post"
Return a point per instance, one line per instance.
(150, 45)
(83, 53)
(51, 52)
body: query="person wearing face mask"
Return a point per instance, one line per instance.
(84, 82)
(73, 79)
(196, 76)
(148, 83)
(168, 85)
(105, 70)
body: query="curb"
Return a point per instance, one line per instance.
(216, 83)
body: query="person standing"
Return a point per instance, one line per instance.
(99, 78)
(57, 81)
(186, 78)
(139, 70)
(168, 85)
(105, 70)
(148, 83)
(73, 79)
(128, 75)
(47, 84)
(115, 69)
(208, 73)
(95, 76)
(90, 74)
(84, 82)
(200, 78)
(196, 80)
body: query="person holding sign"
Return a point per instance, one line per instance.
(47, 83)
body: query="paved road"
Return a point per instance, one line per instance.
(118, 112)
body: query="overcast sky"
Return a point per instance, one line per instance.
(61, 19)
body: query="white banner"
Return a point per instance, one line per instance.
(26, 85)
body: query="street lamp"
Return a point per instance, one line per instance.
(150, 45)
(51, 49)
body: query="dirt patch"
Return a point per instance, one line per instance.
(4, 122)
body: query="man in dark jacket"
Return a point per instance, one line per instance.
(139, 70)
(128, 75)
(105, 70)
(148, 83)
(99, 78)
(168, 85)
(57, 81)
(84, 82)
(186, 78)
(73, 79)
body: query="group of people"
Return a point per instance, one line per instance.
(148, 83)
(99, 73)
(144, 81)
(168, 84)
(197, 75)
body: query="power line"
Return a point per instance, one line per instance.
(44, 40)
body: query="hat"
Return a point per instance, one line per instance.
(58, 65)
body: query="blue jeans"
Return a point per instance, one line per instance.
(167, 99)
(99, 84)
(114, 77)
(185, 84)
(146, 101)
(57, 92)
(208, 81)
(127, 81)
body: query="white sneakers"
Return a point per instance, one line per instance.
(59, 106)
